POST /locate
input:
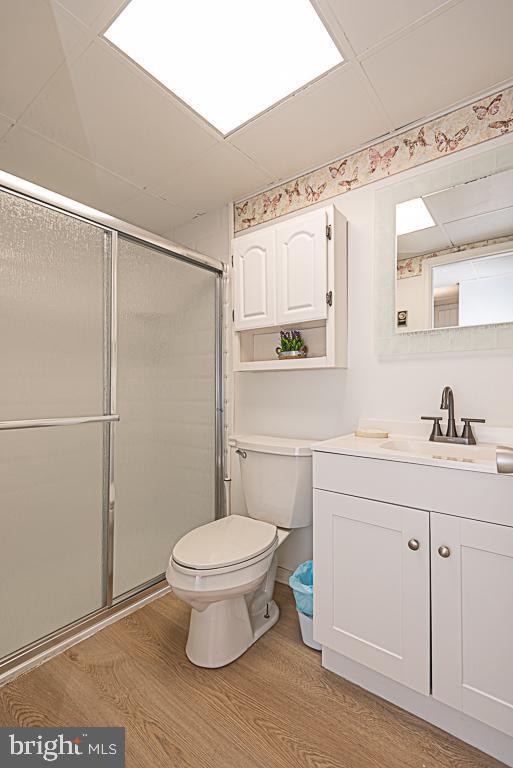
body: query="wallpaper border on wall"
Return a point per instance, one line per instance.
(412, 266)
(464, 127)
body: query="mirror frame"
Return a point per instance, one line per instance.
(456, 339)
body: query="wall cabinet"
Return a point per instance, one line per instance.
(254, 280)
(420, 597)
(291, 274)
(302, 269)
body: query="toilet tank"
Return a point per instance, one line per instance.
(276, 475)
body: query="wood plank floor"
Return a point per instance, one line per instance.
(273, 708)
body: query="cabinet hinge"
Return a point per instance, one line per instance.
(329, 298)
(328, 231)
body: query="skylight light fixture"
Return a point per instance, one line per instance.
(227, 59)
(411, 216)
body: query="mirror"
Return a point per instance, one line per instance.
(454, 256)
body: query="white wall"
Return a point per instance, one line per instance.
(411, 296)
(209, 234)
(486, 300)
(321, 404)
(325, 403)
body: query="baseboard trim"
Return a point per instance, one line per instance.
(475, 733)
(283, 575)
(117, 613)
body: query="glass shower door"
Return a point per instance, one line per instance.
(165, 454)
(53, 313)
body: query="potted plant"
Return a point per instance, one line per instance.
(291, 346)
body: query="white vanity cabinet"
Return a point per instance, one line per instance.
(291, 274)
(472, 603)
(413, 592)
(372, 584)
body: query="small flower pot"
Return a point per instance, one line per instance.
(294, 354)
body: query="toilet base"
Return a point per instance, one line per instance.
(225, 630)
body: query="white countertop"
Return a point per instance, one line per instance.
(409, 442)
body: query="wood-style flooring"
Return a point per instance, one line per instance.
(275, 707)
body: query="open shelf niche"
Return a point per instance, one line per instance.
(256, 348)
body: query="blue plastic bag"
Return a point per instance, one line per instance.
(301, 583)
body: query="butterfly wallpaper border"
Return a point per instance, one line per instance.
(464, 127)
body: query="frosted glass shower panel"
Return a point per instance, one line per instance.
(51, 312)
(165, 441)
(51, 523)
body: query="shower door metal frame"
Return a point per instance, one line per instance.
(112, 228)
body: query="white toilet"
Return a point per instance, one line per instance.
(226, 569)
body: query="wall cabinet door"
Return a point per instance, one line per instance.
(371, 600)
(472, 594)
(254, 280)
(302, 268)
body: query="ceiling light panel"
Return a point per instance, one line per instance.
(227, 59)
(411, 216)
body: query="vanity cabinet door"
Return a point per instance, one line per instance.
(302, 268)
(472, 595)
(371, 597)
(254, 280)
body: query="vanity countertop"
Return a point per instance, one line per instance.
(407, 442)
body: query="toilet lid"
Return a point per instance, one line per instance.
(224, 542)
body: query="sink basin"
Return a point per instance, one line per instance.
(471, 454)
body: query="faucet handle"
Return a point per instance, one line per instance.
(467, 433)
(437, 429)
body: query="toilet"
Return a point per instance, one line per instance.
(225, 570)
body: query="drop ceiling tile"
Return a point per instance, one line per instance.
(89, 10)
(5, 124)
(422, 241)
(112, 113)
(491, 267)
(487, 225)
(34, 40)
(328, 118)
(481, 196)
(220, 175)
(31, 157)
(456, 54)
(151, 213)
(367, 22)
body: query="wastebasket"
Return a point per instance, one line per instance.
(301, 583)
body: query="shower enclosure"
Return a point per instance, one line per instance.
(110, 413)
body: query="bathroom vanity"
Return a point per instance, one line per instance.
(413, 552)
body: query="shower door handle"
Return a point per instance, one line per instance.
(64, 422)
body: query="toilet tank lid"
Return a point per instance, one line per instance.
(282, 446)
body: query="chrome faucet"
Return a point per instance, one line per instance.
(451, 436)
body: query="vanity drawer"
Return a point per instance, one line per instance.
(474, 495)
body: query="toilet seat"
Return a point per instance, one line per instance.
(225, 545)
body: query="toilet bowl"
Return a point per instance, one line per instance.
(225, 570)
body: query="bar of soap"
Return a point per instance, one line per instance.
(375, 433)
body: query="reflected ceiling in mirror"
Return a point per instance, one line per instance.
(454, 250)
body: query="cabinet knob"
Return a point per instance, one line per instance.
(414, 544)
(444, 551)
